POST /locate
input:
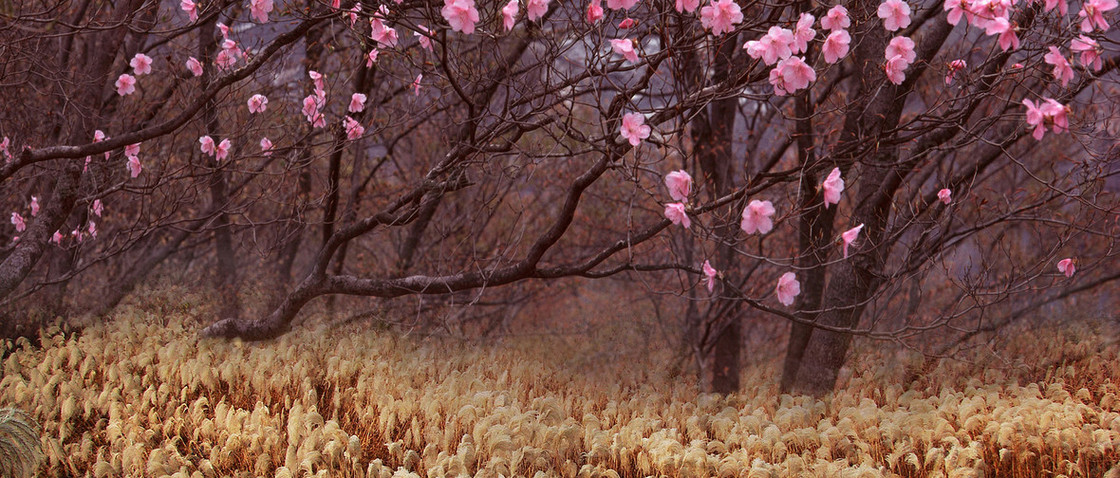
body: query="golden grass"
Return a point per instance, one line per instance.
(143, 396)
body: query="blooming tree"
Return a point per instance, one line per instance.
(713, 145)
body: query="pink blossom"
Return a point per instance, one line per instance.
(1062, 71)
(77, 234)
(1092, 14)
(836, 19)
(357, 103)
(134, 166)
(536, 9)
(679, 184)
(796, 74)
(132, 149)
(595, 11)
(462, 15)
(225, 60)
(206, 144)
(945, 195)
(509, 14)
(788, 288)
(625, 47)
(621, 4)
(57, 238)
(224, 29)
(688, 6)
(353, 13)
(191, 9)
(1066, 266)
(354, 129)
(773, 46)
(955, 66)
(803, 33)
(422, 36)
(833, 185)
(903, 46)
(778, 81)
(710, 276)
(259, 9)
(387, 37)
(97, 207)
(1090, 51)
(371, 57)
(257, 103)
(956, 8)
(311, 105)
(317, 80)
(721, 16)
(1035, 118)
(1008, 39)
(222, 150)
(634, 128)
(126, 84)
(1063, 6)
(675, 213)
(195, 66)
(895, 14)
(416, 85)
(34, 206)
(836, 46)
(757, 217)
(896, 69)
(1055, 113)
(266, 146)
(17, 221)
(141, 64)
(849, 237)
(4, 148)
(626, 24)
(93, 228)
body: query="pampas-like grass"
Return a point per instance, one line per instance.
(20, 451)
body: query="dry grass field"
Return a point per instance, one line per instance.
(141, 395)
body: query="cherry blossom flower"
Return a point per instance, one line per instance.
(353, 13)
(257, 103)
(595, 11)
(266, 146)
(1092, 14)
(1055, 113)
(902, 46)
(259, 10)
(849, 237)
(756, 217)
(1006, 31)
(778, 81)
(1090, 51)
(836, 19)
(945, 195)
(354, 129)
(387, 37)
(679, 184)
(687, 6)
(796, 74)
(416, 85)
(803, 33)
(223, 29)
(626, 24)
(57, 238)
(895, 14)
(191, 9)
(461, 14)
(206, 144)
(357, 103)
(956, 9)
(422, 36)
(34, 206)
(896, 69)
(18, 222)
(371, 57)
(836, 46)
(134, 166)
(833, 185)
(4, 148)
(1066, 266)
(222, 150)
(634, 128)
(1063, 6)
(773, 46)
(126, 84)
(141, 64)
(311, 105)
(132, 150)
(788, 288)
(1035, 118)
(955, 66)
(509, 14)
(721, 16)
(675, 212)
(710, 276)
(1062, 71)
(92, 228)
(194, 66)
(621, 4)
(225, 60)
(625, 47)
(97, 207)
(535, 9)
(99, 136)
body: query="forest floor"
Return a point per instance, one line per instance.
(141, 395)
